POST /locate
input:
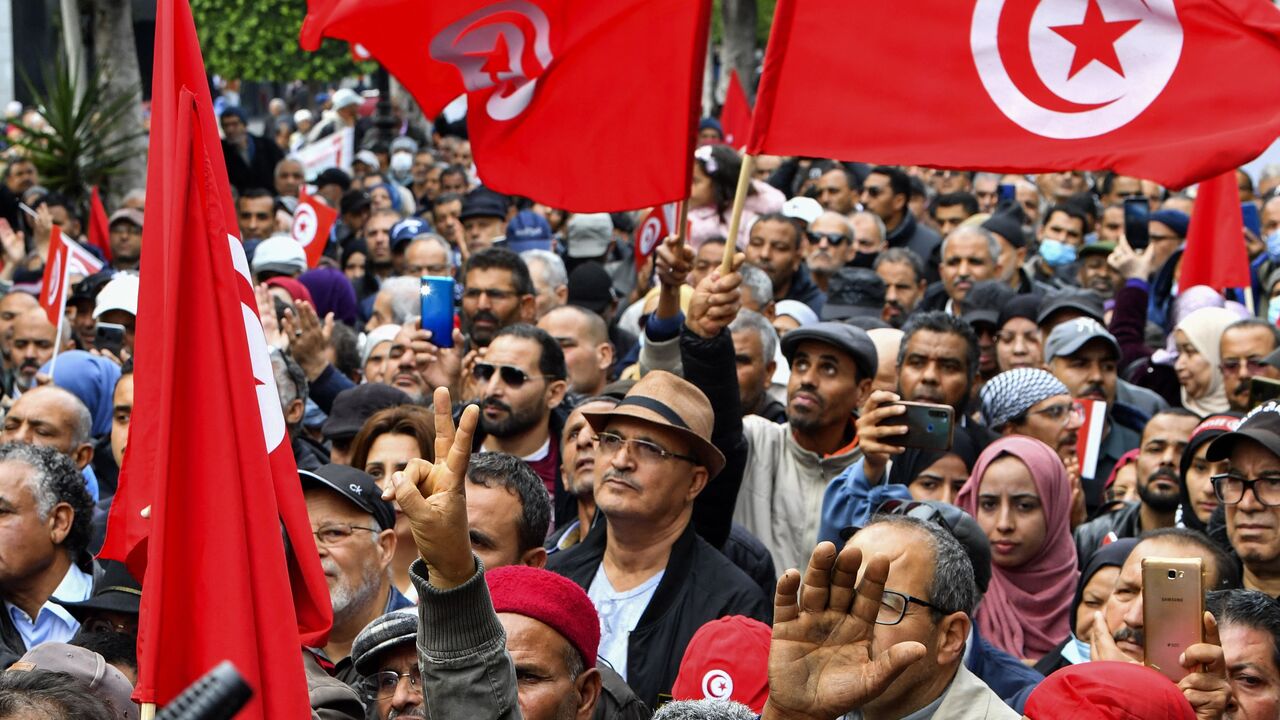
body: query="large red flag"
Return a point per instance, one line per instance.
(312, 221)
(1215, 254)
(1170, 90)
(579, 104)
(208, 450)
(735, 116)
(99, 226)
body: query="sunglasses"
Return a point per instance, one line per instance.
(873, 190)
(833, 239)
(512, 376)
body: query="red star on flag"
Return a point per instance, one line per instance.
(1095, 39)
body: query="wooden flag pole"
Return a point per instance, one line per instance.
(148, 711)
(739, 199)
(682, 217)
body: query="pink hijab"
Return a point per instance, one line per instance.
(1027, 610)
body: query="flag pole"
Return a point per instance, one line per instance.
(682, 217)
(739, 199)
(148, 711)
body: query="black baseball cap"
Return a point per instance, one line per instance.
(851, 340)
(1261, 425)
(854, 292)
(353, 406)
(354, 201)
(959, 523)
(1086, 302)
(354, 485)
(483, 202)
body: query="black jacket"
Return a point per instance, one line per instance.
(1090, 536)
(803, 289)
(773, 410)
(699, 585)
(260, 171)
(920, 240)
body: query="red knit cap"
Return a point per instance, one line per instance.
(551, 599)
(1108, 691)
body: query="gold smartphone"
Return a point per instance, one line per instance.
(1173, 611)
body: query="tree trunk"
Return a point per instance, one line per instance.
(738, 49)
(117, 60)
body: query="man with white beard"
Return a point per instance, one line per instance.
(355, 536)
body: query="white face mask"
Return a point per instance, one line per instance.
(401, 163)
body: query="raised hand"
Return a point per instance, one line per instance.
(433, 498)
(716, 301)
(1205, 685)
(674, 261)
(276, 337)
(820, 660)
(872, 432)
(310, 337)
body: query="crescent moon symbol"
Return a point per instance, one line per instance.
(1014, 43)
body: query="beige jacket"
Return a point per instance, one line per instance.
(968, 698)
(781, 497)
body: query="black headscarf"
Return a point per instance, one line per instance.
(1208, 429)
(908, 466)
(1112, 554)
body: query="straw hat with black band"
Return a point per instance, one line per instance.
(672, 402)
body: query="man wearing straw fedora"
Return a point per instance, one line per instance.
(652, 579)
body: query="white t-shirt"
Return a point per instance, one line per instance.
(619, 614)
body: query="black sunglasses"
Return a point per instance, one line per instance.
(511, 375)
(834, 239)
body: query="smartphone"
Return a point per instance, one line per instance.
(437, 309)
(1172, 610)
(1006, 192)
(1262, 390)
(1137, 213)
(109, 336)
(1252, 221)
(929, 426)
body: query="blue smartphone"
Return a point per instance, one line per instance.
(1007, 192)
(437, 309)
(1252, 221)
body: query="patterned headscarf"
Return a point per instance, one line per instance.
(1011, 393)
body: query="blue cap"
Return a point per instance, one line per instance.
(1252, 222)
(528, 231)
(710, 123)
(406, 230)
(1175, 220)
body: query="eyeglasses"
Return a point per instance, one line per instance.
(382, 685)
(642, 450)
(893, 607)
(833, 239)
(1232, 365)
(512, 376)
(873, 190)
(1231, 487)
(1062, 412)
(338, 534)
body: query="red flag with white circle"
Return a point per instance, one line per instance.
(312, 221)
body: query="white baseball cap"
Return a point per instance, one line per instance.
(121, 293)
(345, 98)
(279, 253)
(804, 208)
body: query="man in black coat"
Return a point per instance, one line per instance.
(652, 578)
(251, 159)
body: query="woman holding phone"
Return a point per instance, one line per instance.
(1021, 497)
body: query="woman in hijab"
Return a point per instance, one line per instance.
(936, 474)
(1021, 497)
(332, 293)
(1197, 338)
(1095, 586)
(1198, 498)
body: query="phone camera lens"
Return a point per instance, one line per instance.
(929, 427)
(1173, 574)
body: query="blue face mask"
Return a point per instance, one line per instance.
(1057, 253)
(1273, 311)
(1273, 246)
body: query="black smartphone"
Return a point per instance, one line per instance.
(1006, 192)
(1137, 213)
(1262, 390)
(929, 426)
(110, 337)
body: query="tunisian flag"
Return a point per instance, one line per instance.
(735, 116)
(53, 286)
(208, 450)
(1215, 254)
(584, 105)
(99, 226)
(1169, 90)
(312, 221)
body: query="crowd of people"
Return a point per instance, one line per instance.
(681, 484)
